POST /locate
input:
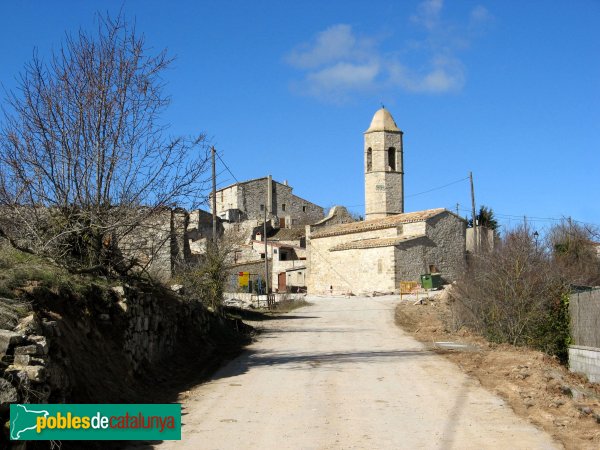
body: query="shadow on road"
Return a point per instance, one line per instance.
(307, 361)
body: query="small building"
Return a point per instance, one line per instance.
(376, 255)
(247, 201)
(486, 239)
(295, 279)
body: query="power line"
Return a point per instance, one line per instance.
(520, 217)
(420, 193)
(436, 188)
(227, 167)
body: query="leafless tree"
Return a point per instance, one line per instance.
(84, 156)
(206, 278)
(574, 250)
(515, 294)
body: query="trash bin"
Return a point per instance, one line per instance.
(431, 281)
(426, 281)
(436, 280)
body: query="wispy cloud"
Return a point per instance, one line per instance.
(338, 62)
(336, 43)
(428, 13)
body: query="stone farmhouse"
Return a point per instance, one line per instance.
(247, 201)
(390, 246)
(242, 209)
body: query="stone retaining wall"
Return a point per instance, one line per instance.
(585, 360)
(91, 347)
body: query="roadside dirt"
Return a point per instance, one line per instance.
(535, 385)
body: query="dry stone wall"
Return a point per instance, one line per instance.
(94, 347)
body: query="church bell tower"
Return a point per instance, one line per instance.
(384, 172)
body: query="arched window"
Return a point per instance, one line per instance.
(392, 158)
(369, 159)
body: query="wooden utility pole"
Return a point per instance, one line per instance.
(266, 249)
(475, 242)
(214, 196)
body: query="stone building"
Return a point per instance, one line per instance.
(376, 255)
(247, 200)
(391, 246)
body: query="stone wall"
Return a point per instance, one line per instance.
(249, 196)
(153, 326)
(585, 360)
(150, 244)
(336, 216)
(584, 312)
(447, 233)
(486, 239)
(350, 271)
(93, 347)
(442, 250)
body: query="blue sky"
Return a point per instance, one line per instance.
(507, 89)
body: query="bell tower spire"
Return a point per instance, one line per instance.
(384, 171)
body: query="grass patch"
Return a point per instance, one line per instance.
(290, 305)
(258, 315)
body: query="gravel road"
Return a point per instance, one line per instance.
(339, 374)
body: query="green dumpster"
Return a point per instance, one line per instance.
(431, 281)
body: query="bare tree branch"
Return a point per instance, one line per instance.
(84, 157)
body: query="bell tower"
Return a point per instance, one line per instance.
(384, 171)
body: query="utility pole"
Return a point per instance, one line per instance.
(266, 248)
(457, 205)
(476, 243)
(214, 196)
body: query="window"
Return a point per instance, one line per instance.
(369, 159)
(304, 208)
(262, 207)
(283, 206)
(392, 158)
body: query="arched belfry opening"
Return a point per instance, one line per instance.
(392, 159)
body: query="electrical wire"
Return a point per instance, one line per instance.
(227, 167)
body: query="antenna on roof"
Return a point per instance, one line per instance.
(383, 106)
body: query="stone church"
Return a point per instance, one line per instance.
(389, 246)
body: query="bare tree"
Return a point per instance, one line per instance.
(515, 294)
(84, 156)
(206, 278)
(574, 250)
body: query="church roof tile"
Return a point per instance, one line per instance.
(377, 224)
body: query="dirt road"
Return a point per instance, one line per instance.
(338, 375)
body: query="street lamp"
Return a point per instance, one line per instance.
(536, 235)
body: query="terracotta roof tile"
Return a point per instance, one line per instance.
(374, 243)
(288, 234)
(377, 224)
